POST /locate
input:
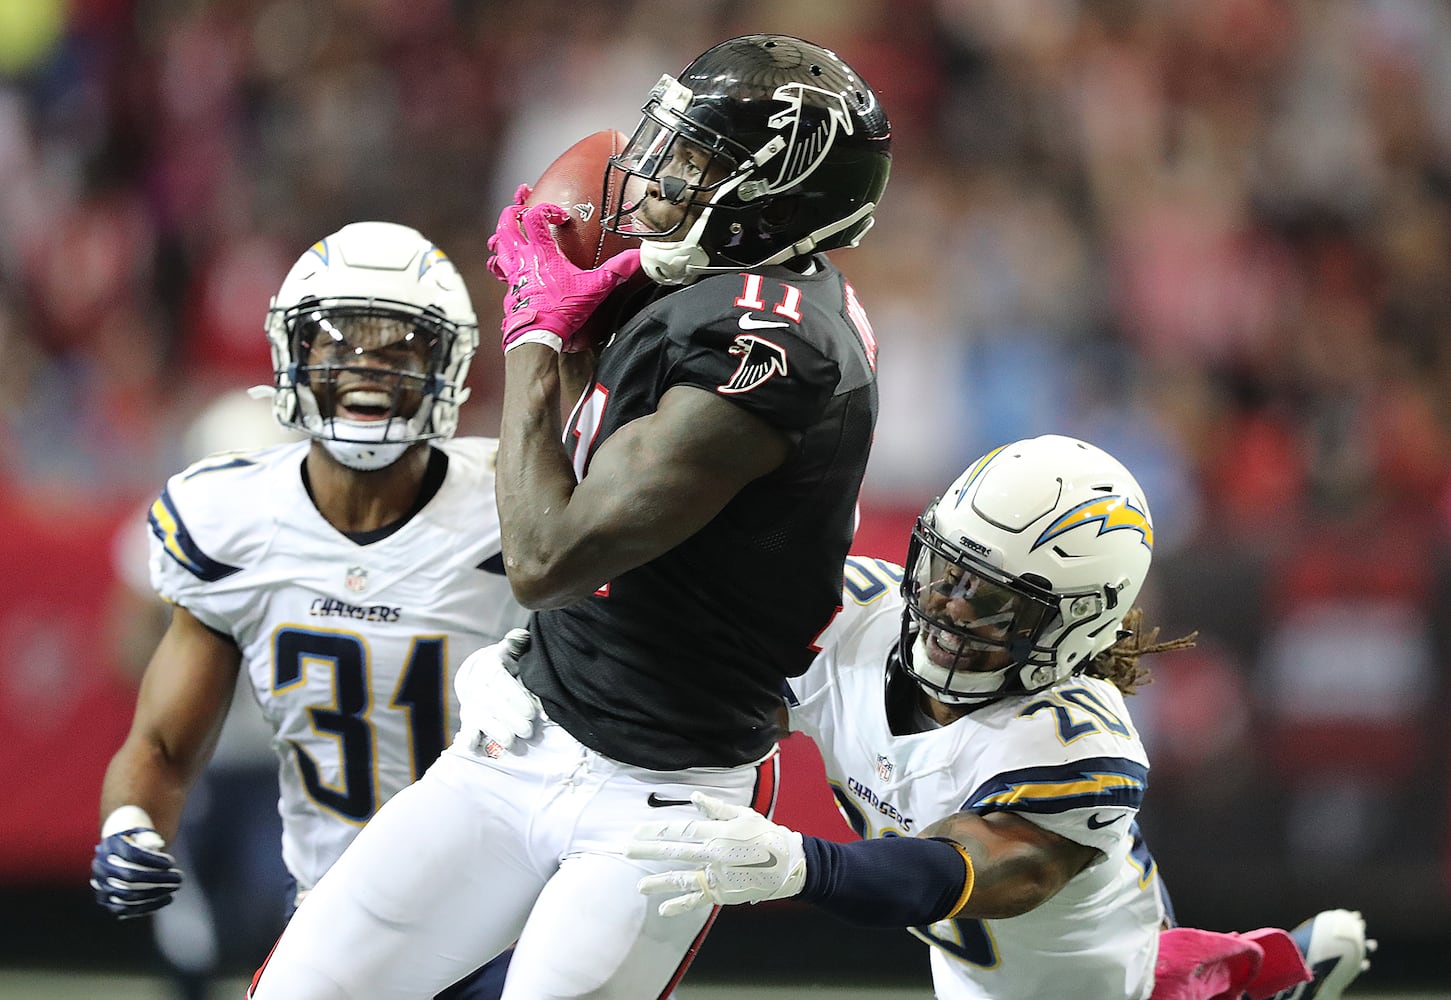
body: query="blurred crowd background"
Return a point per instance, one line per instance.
(1212, 236)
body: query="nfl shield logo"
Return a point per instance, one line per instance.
(356, 579)
(884, 768)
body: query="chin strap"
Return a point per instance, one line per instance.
(673, 263)
(366, 457)
(364, 446)
(687, 261)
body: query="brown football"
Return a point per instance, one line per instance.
(575, 181)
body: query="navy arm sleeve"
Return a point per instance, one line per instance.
(889, 882)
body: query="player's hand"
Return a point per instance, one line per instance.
(548, 297)
(516, 208)
(494, 708)
(745, 858)
(131, 873)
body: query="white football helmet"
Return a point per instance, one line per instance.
(372, 333)
(1023, 571)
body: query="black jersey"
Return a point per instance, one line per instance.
(681, 662)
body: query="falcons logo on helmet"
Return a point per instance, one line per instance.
(807, 142)
(760, 359)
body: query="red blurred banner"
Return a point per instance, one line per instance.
(64, 705)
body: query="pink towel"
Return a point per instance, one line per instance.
(1204, 965)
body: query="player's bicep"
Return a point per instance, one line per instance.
(186, 691)
(662, 477)
(1017, 863)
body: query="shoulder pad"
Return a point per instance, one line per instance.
(206, 517)
(472, 456)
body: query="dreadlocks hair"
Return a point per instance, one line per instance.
(1119, 663)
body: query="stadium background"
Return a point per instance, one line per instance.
(1212, 237)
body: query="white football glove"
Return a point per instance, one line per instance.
(493, 707)
(745, 857)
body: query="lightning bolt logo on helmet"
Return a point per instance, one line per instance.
(1112, 513)
(433, 256)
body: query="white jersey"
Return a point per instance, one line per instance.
(1068, 759)
(350, 648)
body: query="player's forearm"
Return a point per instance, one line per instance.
(1017, 865)
(576, 376)
(142, 775)
(534, 482)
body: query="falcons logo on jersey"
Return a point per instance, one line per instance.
(760, 359)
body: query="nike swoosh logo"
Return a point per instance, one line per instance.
(1094, 823)
(749, 322)
(655, 801)
(768, 863)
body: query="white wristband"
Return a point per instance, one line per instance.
(549, 340)
(125, 818)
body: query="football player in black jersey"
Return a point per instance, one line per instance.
(681, 538)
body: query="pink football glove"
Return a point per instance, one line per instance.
(548, 297)
(521, 195)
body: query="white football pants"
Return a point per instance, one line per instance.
(481, 852)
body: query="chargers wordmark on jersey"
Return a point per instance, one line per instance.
(331, 607)
(877, 803)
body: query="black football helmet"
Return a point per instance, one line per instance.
(797, 151)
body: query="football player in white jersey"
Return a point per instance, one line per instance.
(348, 574)
(970, 713)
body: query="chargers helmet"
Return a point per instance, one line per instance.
(799, 152)
(372, 333)
(1022, 572)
